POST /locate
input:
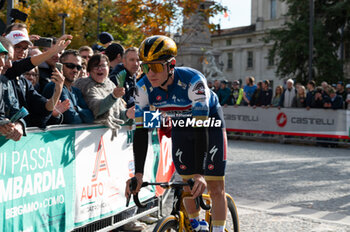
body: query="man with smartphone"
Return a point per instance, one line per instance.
(78, 111)
(39, 107)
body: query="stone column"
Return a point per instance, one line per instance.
(195, 40)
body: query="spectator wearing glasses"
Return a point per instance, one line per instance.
(39, 107)
(102, 96)
(32, 76)
(8, 129)
(78, 111)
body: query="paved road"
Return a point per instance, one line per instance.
(280, 187)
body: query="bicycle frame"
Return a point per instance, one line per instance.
(180, 211)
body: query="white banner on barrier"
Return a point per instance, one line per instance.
(288, 120)
(102, 168)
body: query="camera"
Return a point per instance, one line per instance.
(43, 42)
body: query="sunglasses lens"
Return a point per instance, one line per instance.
(72, 66)
(157, 68)
(145, 68)
(79, 67)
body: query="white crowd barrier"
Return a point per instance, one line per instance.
(289, 121)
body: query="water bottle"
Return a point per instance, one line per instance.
(201, 226)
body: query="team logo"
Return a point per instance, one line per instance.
(183, 167)
(151, 119)
(210, 167)
(159, 98)
(199, 88)
(281, 119)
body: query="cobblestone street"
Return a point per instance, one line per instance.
(284, 187)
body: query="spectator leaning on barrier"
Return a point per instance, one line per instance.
(318, 99)
(248, 90)
(39, 107)
(266, 94)
(341, 90)
(288, 95)
(102, 96)
(10, 130)
(299, 101)
(347, 99)
(236, 94)
(256, 97)
(224, 93)
(276, 99)
(78, 111)
(311, 85)
(216, 87)
(334, 101)
(126, 77)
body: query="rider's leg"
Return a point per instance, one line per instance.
(216, 189)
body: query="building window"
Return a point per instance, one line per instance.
(249, 40)
(270, 60)
(250, 59)
(229, 60)
(228, 42)
(273, 9)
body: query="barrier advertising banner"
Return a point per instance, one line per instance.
(288, 121)
(37, 182)
(103, 165)
(67, 177)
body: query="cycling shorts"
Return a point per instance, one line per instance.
(184, 158)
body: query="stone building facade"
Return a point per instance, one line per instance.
(243, 53)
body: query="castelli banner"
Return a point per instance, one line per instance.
(288, 121)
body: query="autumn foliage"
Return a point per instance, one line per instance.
(129, 21)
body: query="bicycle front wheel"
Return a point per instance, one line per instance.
(232, 223)
(167, 224)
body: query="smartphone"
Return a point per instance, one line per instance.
(59, 66)
(43, 42)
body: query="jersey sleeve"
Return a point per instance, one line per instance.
(141, 103)
(199, 94)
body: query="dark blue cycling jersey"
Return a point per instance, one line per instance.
(189, 94)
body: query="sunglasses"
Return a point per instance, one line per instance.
(73, 66)
(155, 67)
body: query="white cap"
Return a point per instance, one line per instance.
(16, 37)
(347, 86)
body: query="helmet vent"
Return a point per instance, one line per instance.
(159, 47)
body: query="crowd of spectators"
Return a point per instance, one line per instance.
(97, 84)
(336, 96)
(56, 85)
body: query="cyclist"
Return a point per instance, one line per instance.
(199, 151)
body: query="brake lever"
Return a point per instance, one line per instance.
(132, 187)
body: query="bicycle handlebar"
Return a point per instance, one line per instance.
(133, 185)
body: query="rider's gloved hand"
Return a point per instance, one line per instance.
(199, 185)
(139, 177)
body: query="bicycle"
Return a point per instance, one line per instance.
(178, 219)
